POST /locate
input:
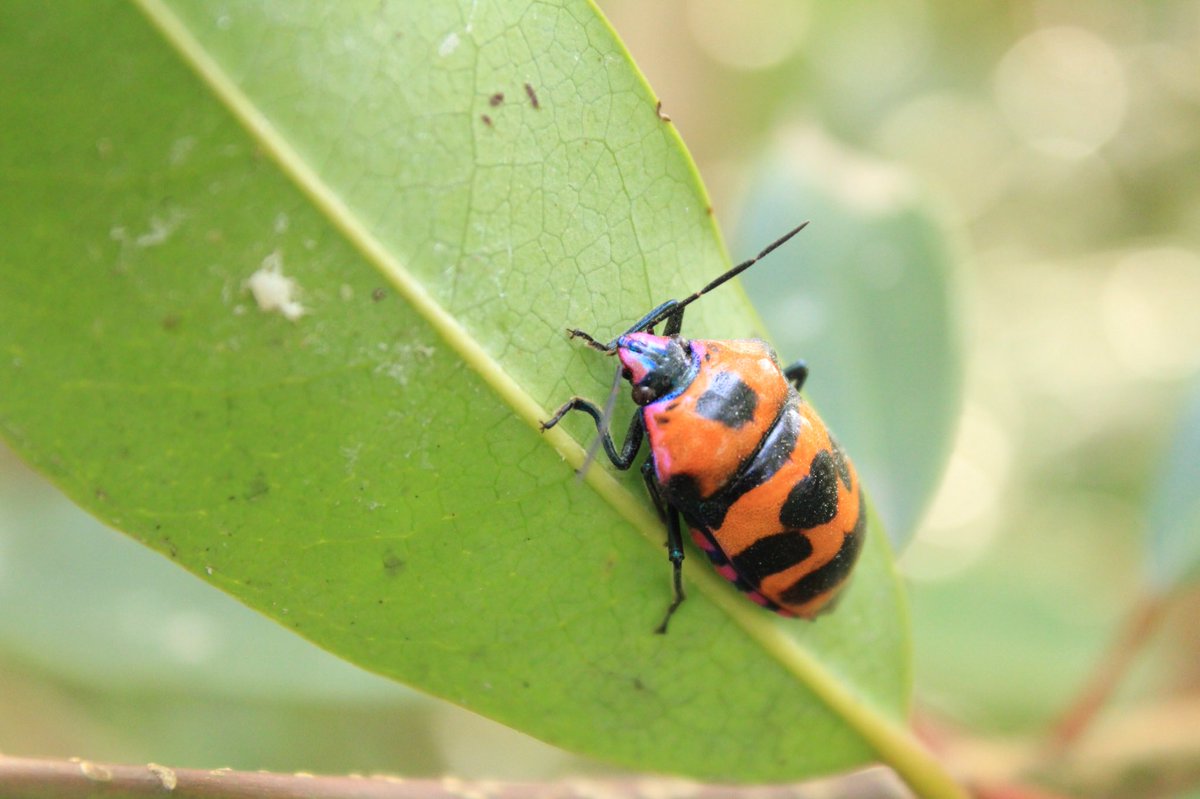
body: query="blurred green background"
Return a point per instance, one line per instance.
(1052, 152)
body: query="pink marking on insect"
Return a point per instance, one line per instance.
(630, 349)
(726, 571)
(754, 596)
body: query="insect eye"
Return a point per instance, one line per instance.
(643, 395)
(627, 373)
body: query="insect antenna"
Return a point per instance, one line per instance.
(602, 429)
(671, 309)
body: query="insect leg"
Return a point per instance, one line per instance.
(674, 322)
(661, 312)
(652, 489)
(796, 374)
(675, 554)
(622, 458)
(573, 332)
(653, 318)
(670, 518)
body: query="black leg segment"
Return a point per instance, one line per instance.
(661, 312)
(622, 458)
(660, 505)
(675, 555)
(670, 518)
(796, 374)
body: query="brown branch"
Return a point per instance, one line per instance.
(29, 778)
(1135, 631)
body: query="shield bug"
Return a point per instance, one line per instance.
(756, 476)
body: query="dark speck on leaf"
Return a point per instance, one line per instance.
(487, 120)
(392, 564)
(170, 322)
(257, 488)
(378, 294)
(533, 98)
(496, 99)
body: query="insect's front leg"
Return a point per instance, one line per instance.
(669, 310)
(622, 458)
(588, 339)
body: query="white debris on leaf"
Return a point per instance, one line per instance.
(160, 229)
(448, 45)
(273, 290)
(181, 150)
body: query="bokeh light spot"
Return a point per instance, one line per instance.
(1063, 90)
(753, 34)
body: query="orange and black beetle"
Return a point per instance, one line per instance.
(766, 490)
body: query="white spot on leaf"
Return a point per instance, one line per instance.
(160, 229)
(181, 149)
(448, 45)
(273, 290)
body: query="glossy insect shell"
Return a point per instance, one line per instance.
(767, 492)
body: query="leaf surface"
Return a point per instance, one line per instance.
(369, 474)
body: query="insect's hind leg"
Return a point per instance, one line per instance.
(796, 374)
(622, 458)
(670, 518)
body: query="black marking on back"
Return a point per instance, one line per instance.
(708, 513)
(717, 557)
(813, 500)
(728, 400)
(771, 554)
(829, 576)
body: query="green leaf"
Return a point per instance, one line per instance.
(129, 621)
(357, 456)
(867, 301)
(1173, 558)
